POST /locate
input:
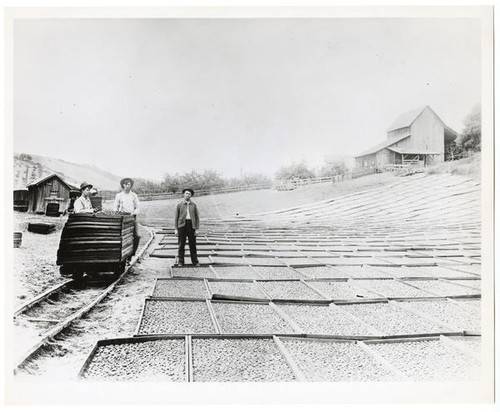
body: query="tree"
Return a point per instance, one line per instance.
(249, 179)
(470, 138)
(334, 168)
(294, 170)
(171, 183)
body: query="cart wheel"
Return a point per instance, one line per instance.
(64, 271)
(78, 274)
(119, 268)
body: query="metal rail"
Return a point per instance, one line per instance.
(43, 296)
(65, 323)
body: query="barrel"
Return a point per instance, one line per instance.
(18, 238)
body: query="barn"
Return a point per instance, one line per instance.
(52, 190)
(418, 137)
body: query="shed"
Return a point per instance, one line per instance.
(21, 200)
(417, 137)
(50, 189)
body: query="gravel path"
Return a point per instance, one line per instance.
(239, 360)
(441, 272)
(363, 272)
(469, 283)
(193, 272)
(237, 289)
(472, 342)
(336, 361)
(236, 272)
(392, 289)
(180, 288)
(172, 317)
(278, 273)
(342, 291)
(442, 288)
(289, 290)
(325, 320)
(458, 316)
(323, 272)
(163, 359)
(429, 361)
(249, 318)
(391, 320)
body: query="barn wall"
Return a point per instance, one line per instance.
(384, 157)
(427, 133)
(393, 134)
(367, 160)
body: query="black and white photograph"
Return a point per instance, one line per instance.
(249, 204)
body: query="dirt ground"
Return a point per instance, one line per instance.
(35, 268)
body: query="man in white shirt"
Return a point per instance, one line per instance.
(127, 202)
(83, 203)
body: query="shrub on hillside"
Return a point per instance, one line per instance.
(470, 138)
(294, 171)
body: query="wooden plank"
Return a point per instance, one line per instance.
(289, 359)
(463, 348)
(384, 362)
(287, 318)
(213, 316)
(189, 359)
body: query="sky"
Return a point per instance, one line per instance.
(145, 97)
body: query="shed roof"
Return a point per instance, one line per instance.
(383, 145)
(70, 185)
(412, 151)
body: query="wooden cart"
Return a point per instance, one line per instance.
(95, 243)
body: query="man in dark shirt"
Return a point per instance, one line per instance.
(186, 224)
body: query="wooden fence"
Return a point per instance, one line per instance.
(279, 185)
(176, 195)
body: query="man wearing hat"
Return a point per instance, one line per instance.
(83, 203)
(127, 202)
(186, 224)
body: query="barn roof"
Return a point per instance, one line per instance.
(406, 119)
(383, 145)
(70, 185)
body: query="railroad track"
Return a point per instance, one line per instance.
(52, 312)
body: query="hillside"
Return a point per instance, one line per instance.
(28, 168)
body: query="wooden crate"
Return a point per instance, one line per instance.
(95, 238)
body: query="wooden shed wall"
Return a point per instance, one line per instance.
(52, 188)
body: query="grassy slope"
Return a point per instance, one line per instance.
(26, 172)
(470, 166)
(161, 212)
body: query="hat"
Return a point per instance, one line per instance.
(188, 190)
(84, 185)
(125, 180)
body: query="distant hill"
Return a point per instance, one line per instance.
(29, 168)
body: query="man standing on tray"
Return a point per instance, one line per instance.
(127, 202)
(186, 224)
(83, 203)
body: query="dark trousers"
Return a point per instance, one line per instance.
(187, 231)
(137, 238)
